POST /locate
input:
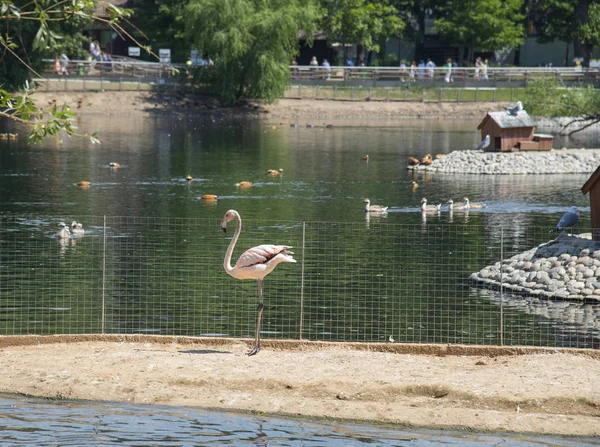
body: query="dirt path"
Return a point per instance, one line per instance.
(554, 393)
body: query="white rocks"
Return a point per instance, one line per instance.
(549, 271)
(574, 161)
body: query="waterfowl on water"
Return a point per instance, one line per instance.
(63, 231)
(13, 136)
(374, 208)
(244, 184)
(113, 164)
(414, 185)
(473, 205)
(3, 136)
(412, 161)
(209, 197)
(456, 205)
(427, 160)
(77, 229)
(84, 184)
(366, 158)
(274, 172)
(189, 178)
(425, 207)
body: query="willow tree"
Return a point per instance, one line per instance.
(252, 42)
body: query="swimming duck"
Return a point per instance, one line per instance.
(209, 197)
(189, 178)
(244, 184)
(63, 231)
(456, 205)
(374, 208)
(77, 229)
(113, 164)
(274, 172)
(425, 207)
(366, 158)
(473, 205)
(84, 184)
(414, 185)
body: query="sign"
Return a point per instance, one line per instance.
(165, 55)
(133, 51)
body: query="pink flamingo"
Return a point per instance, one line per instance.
(255, 263)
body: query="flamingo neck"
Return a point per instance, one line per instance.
(238, 229)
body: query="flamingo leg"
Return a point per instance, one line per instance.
(256, 347)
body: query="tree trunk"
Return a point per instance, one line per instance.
(567, 55)
(517, 56)
(582, 49)
(360, 49)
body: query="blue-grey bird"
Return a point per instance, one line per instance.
(568, 220)
(484, 144)
(514, 109)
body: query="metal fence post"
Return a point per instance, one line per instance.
(501, 287)
(103, 271)
(301, 325)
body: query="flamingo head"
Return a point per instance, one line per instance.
(229, 216)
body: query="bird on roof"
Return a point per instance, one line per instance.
(374, 208)
(515, 108)
(484, 144)
(425, 207)
(568, 220)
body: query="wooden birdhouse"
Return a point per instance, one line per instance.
(512, 133)
(592, 186)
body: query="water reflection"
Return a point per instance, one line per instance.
(36, 422)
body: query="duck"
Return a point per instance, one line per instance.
(77, 229)
(366, 158)
(209, 197)
(274, 172)
(114, 164)
(84, 184)
(412, 161)
(427, 160)
(425, 207)
(414, 185)
(374, 208)
(438, 156)
(244, 184)
(189, 178)
(452, 205)
(473, 205)
(13, 136)
(63, 231)
(3, 136)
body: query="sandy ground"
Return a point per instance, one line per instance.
(471, 388)
(474, 388)
(282, 110)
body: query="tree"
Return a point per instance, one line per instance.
(487, 25)
(552, 99)
(575, 22)
(30, 31)
(252, 42)
(361, 22)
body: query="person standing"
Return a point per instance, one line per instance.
(64, 63)
(327, 68)
(402, 71)
(448, 77)
(484, 70)
(413, 70)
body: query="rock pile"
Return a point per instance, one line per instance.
(566, 268)
(563, 161)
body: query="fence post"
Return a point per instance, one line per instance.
(494, 98)
(103, 271)
(458, 95)
(476, 94)
(501, 287)
(301, 325)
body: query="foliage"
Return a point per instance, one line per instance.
(30, 31)
(252, 42)
(488, 25)
(550, 98)
(361, 21)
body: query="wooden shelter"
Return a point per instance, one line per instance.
(592, 186)
(512, 132)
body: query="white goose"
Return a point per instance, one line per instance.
(473, 205)
(374, 208)
(456, 205)
(77, 229)
(63, 231)
(425, 207)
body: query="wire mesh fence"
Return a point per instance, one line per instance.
(368, 281)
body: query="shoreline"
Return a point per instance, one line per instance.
(428, 386)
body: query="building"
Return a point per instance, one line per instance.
(592, 186)
(512, 132)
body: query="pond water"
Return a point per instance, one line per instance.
(35, 422)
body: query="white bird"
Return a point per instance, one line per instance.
(452, 205)
(514, 109)
(484, 144)
(425, 207)
(63, 231)
(255, 263)
(374, 208)
(568, 220)
(473, 205)
(77, 229)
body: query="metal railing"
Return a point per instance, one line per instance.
(365, 281)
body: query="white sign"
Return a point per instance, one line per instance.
(165, 55)
(133, 51)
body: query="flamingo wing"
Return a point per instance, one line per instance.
(264, 254)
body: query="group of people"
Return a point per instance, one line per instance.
(61, 65)
(99, 56)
